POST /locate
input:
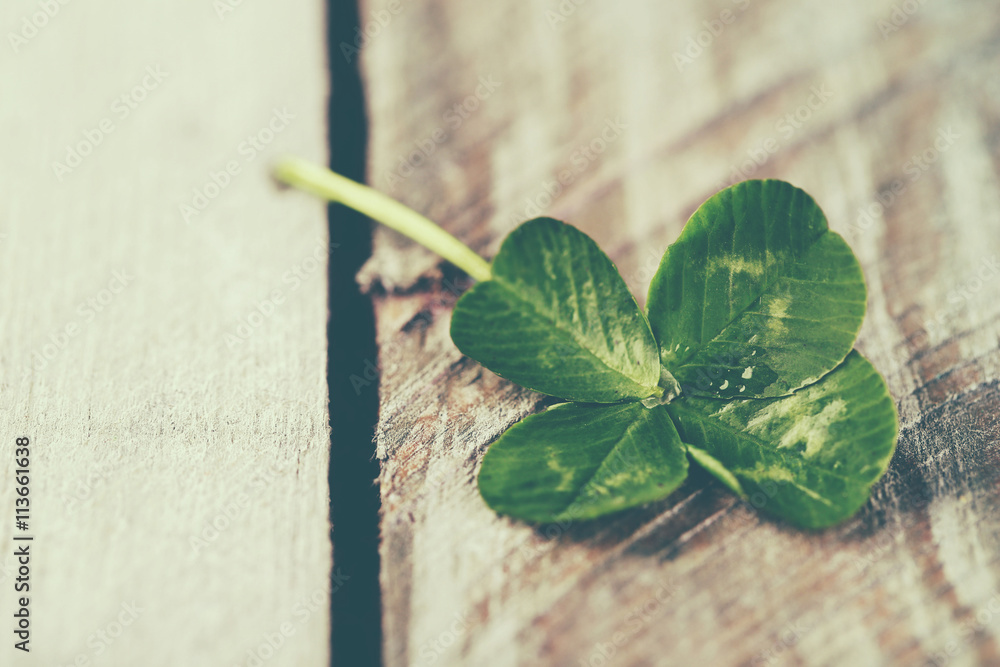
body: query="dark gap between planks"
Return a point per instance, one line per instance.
(355, 605)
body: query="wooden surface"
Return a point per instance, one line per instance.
(700, 578)
(147, 426)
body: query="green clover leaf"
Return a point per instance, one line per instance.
(757, 298)
(810, 457)
(578, 461)
(556, 317)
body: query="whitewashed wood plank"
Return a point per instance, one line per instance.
(149, 425)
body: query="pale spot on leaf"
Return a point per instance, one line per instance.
(777, 310)
(567, 474)
(814, 429)
(737, 264)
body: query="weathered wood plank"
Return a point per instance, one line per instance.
(822, 96)
(149, 426)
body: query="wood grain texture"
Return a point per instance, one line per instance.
(149, 425)
(894, 129)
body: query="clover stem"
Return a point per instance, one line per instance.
(321, 181)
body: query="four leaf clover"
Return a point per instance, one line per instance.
(741, 363)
